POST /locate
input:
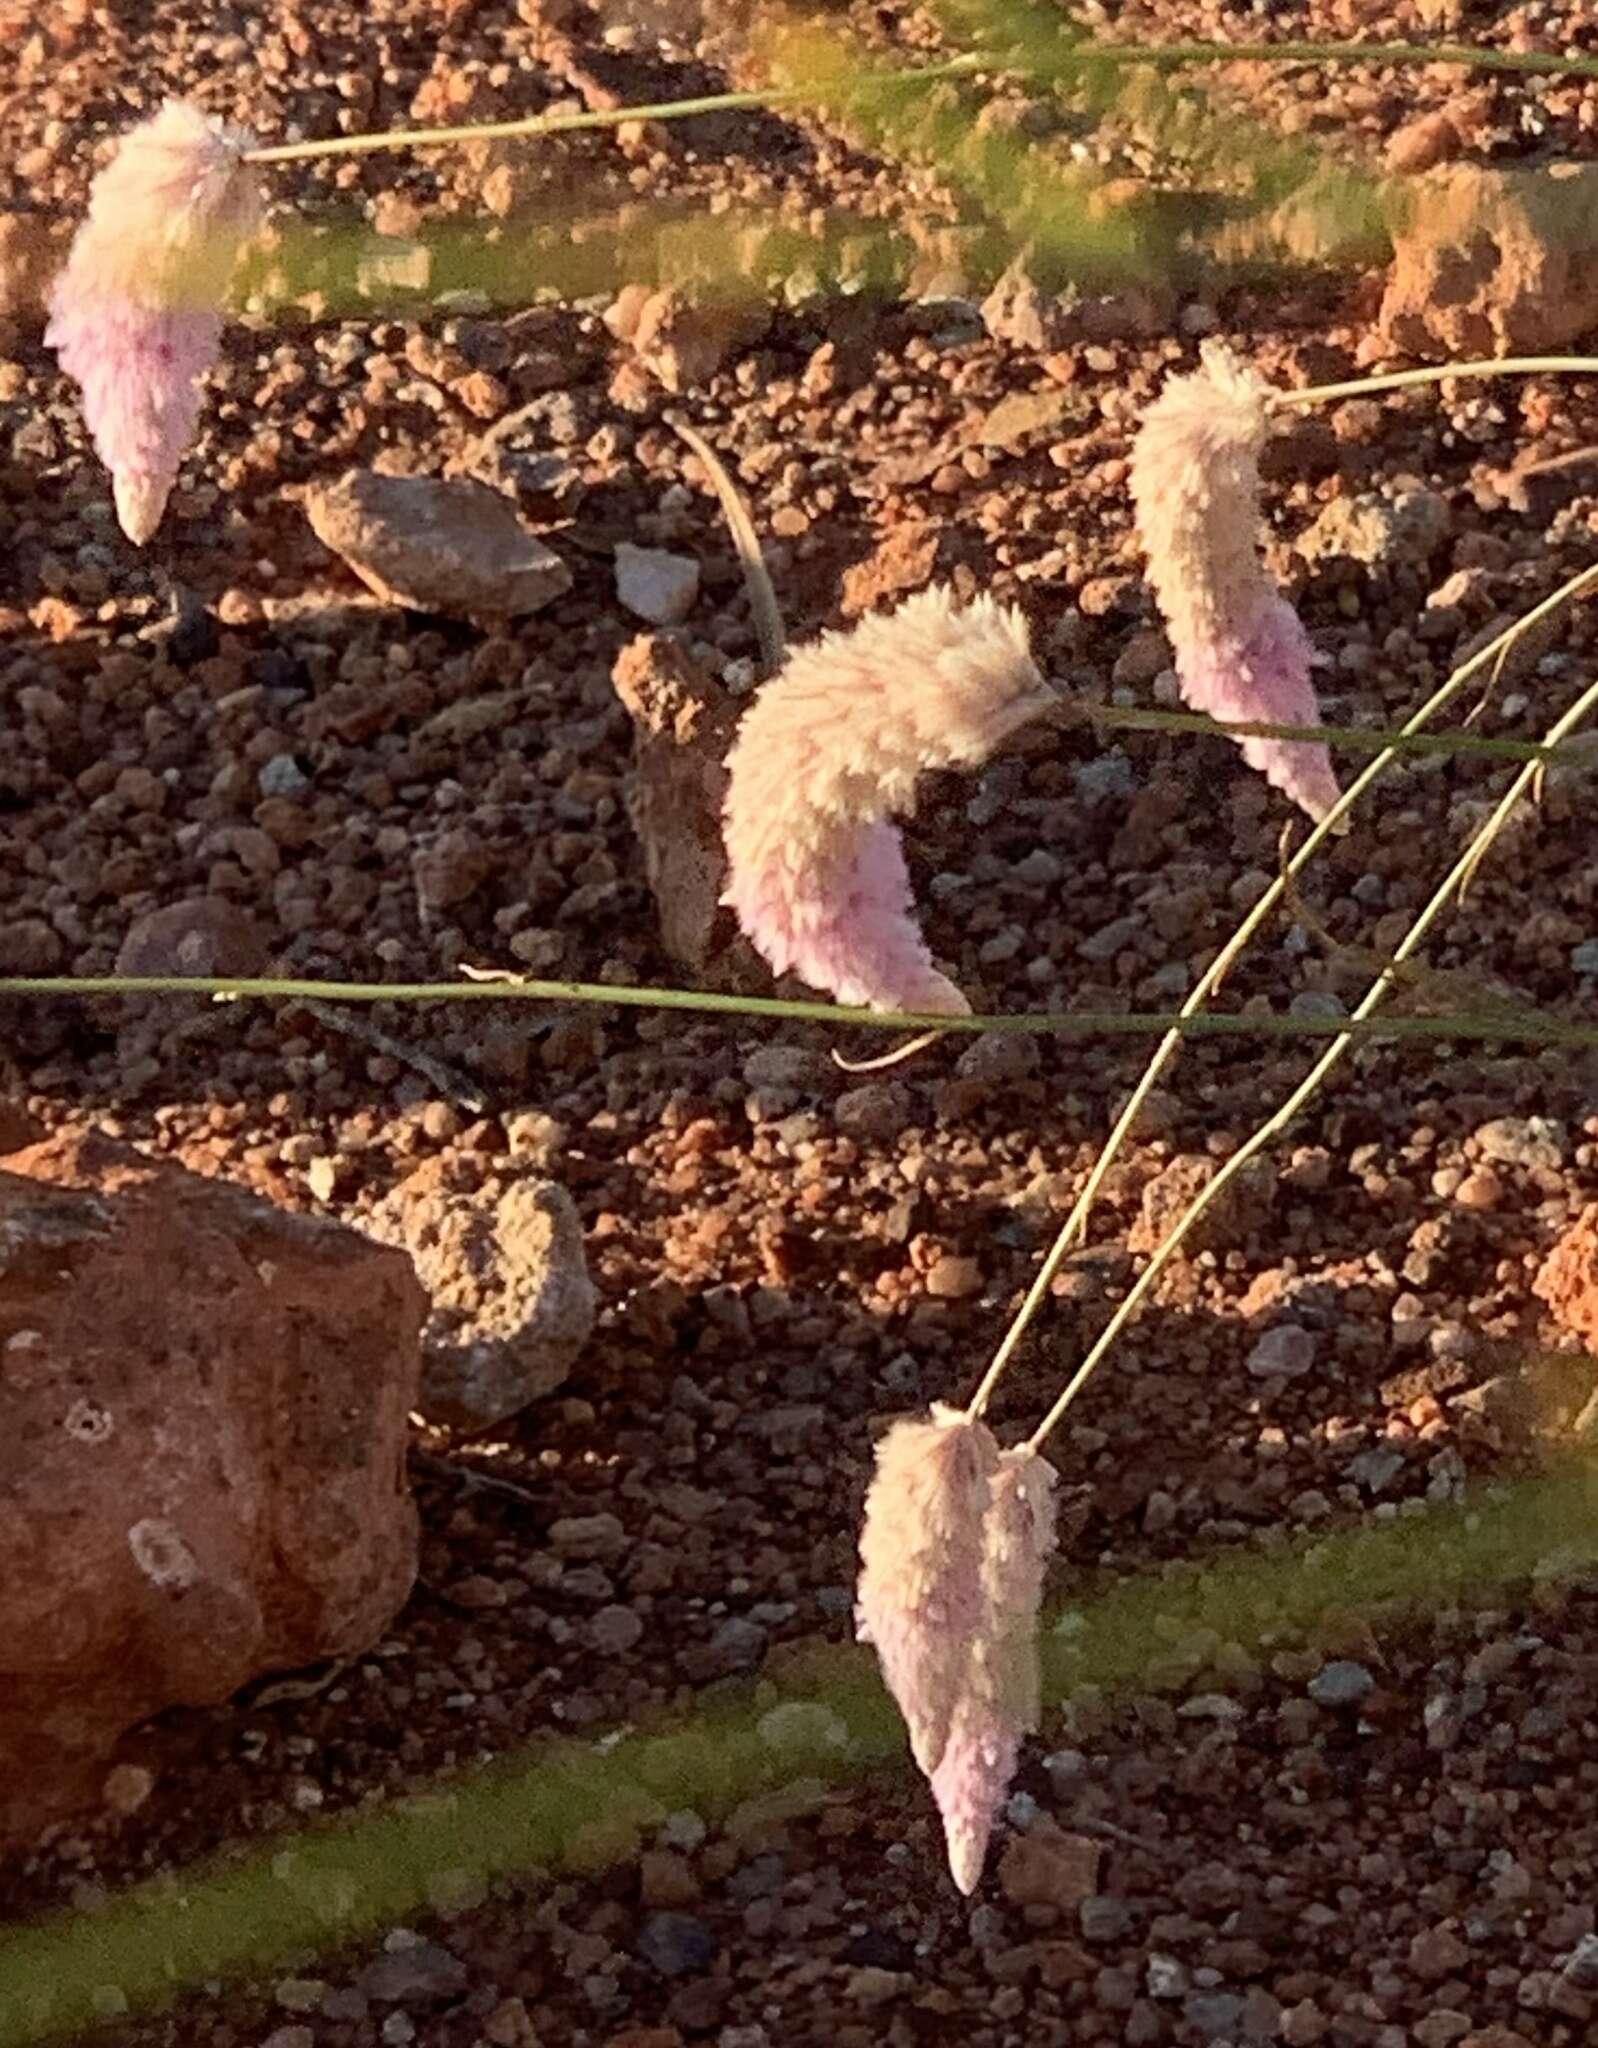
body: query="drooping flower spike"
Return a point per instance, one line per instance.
(1241, 652)
(136, 315)
(955, 1541)
(829, 753)
(999, 1704)
(920, 1598)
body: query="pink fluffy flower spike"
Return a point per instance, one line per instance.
(956, 1538)
(1241, 652)
(921, 1599)
(999, 1703)
(136, 315)
(829, 753)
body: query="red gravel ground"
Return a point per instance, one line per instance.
(786, 1256)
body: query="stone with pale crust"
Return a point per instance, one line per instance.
(203, 1407)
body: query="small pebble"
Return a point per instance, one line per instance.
(1341, 1684)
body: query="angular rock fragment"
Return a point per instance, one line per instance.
(1489, 262)
(654, 585)
(683, 722)
(1568, 1279)
(456, 548)
(512, 1301)
(681, 340)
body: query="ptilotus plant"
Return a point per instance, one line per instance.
(921, 1599)
(832, 748)
(829, 753)
(1241, 652)
(953, 1548)
(136, 315)
(1197, 491)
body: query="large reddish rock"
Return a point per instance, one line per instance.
(203, 1407)
(1490, 262)
(1568, 1279)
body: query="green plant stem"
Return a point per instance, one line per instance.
(1184, 1025)
(534, 125)
(1184, 56)
(1377, 993)
(1357, 738)
(1167, 56)
(1440, 373)
(1506, 1024)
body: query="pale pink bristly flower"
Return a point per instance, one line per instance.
(136, 316)
(1241, 652)
(921, 1596)
(829, 753)
(999, 1700)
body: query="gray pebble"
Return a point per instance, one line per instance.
(1103, 1918)
(676, 1944)
(1282, 1353)
(1341, 1683)
(421, 1975)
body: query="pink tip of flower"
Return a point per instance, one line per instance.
(969, 1784)
(1263, 672)
(139, 370)
(828, 753)
(136, 313)
(1241, 654)
(843, 919)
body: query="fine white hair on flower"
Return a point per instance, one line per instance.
(921, 1598)
(829, 753)
(1241, 652)
(956, 1540)
(136, 315)
(1000, 1702)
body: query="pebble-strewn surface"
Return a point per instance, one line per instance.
(225, 750)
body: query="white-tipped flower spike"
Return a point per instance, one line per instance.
(999, 1703)
(829, 753)
(1241, 652)
(921, 1597)
(136, 315)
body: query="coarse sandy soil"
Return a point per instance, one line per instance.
(786, 1256)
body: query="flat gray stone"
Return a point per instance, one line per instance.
(456, 548)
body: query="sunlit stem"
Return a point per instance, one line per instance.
(1377, 993)
(566, 123)
(1076, 1222)
(1366, 739)
(1441, 373)
(1185, 56)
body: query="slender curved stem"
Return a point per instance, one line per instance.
(1076, 1222)
(1357, 738)
(1456, 877)
(1167, 57)
(1184, 56)
(574, 122)
(1504, 1023)
(1440, 373)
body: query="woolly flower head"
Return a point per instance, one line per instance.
(136, 315)
(829, 752)
(956, 1538)
(921, 1597)
(1241, 652)
(999, 1702)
